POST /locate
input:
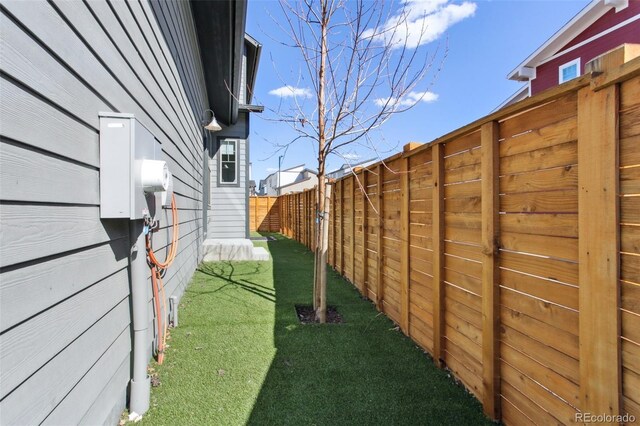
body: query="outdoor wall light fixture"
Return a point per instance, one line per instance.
(211, 124)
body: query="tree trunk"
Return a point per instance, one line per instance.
(322, 236)
(320, 274)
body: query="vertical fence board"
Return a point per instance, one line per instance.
(404, 248)
(490, 207)
(438, 253)
(600, 370)
(365, 254)
(342, 227)
(380, 287)
(352, 231)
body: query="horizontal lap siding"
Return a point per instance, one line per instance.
(629, 117)
(538, 262)
(64, 286)
(228, 206)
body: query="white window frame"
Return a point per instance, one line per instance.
(562, 67)
(220, 162)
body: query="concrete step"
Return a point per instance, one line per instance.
(233, 249)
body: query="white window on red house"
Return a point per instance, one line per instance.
(569, 71)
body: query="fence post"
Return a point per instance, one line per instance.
(380, 247)
(404, 242)
(256, 223)
(490, 204)
(365, 219)
(290, 225)
(289, 199)
(280, 214)
(298, 221)
(334, 231)
(270, 206)
(598, 244)
(305, 214)
(438, 253)
(353, 229)
(342, 227)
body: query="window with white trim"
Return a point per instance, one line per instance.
(228, 161)
(569, 71)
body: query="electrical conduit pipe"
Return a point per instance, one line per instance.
(140, 381)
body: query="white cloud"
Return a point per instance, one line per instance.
(291, 92)
(410, 99)
(421, 22)
(352, 156)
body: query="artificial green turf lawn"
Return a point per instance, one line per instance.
(239, 356)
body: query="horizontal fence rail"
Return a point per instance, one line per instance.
(509, 249)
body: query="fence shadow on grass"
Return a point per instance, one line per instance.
(361, 372)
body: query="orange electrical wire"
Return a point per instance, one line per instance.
(156, 279)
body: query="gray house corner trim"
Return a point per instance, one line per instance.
(219, 139)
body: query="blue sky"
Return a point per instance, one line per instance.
(482, 49)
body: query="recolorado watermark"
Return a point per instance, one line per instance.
(605, 418)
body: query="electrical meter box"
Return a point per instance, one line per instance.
(133, 171)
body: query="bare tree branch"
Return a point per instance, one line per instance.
(363, 70)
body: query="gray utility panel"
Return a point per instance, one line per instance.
(126, 147)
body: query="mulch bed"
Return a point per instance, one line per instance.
(306, 315)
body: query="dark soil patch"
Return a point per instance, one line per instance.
(306, 315)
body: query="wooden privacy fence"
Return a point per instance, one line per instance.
(510, 249)
(297, 211)
(264, 214)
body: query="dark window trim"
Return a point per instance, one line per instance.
(221, 184)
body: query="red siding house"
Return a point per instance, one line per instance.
(600, 27)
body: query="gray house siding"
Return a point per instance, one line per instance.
(227, 217)
(64, 287)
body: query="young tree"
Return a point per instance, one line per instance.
(364, 63)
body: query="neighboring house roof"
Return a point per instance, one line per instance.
(346, 167)
(583, 20)
(298, 182)
(290, 169)
(520, 94)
